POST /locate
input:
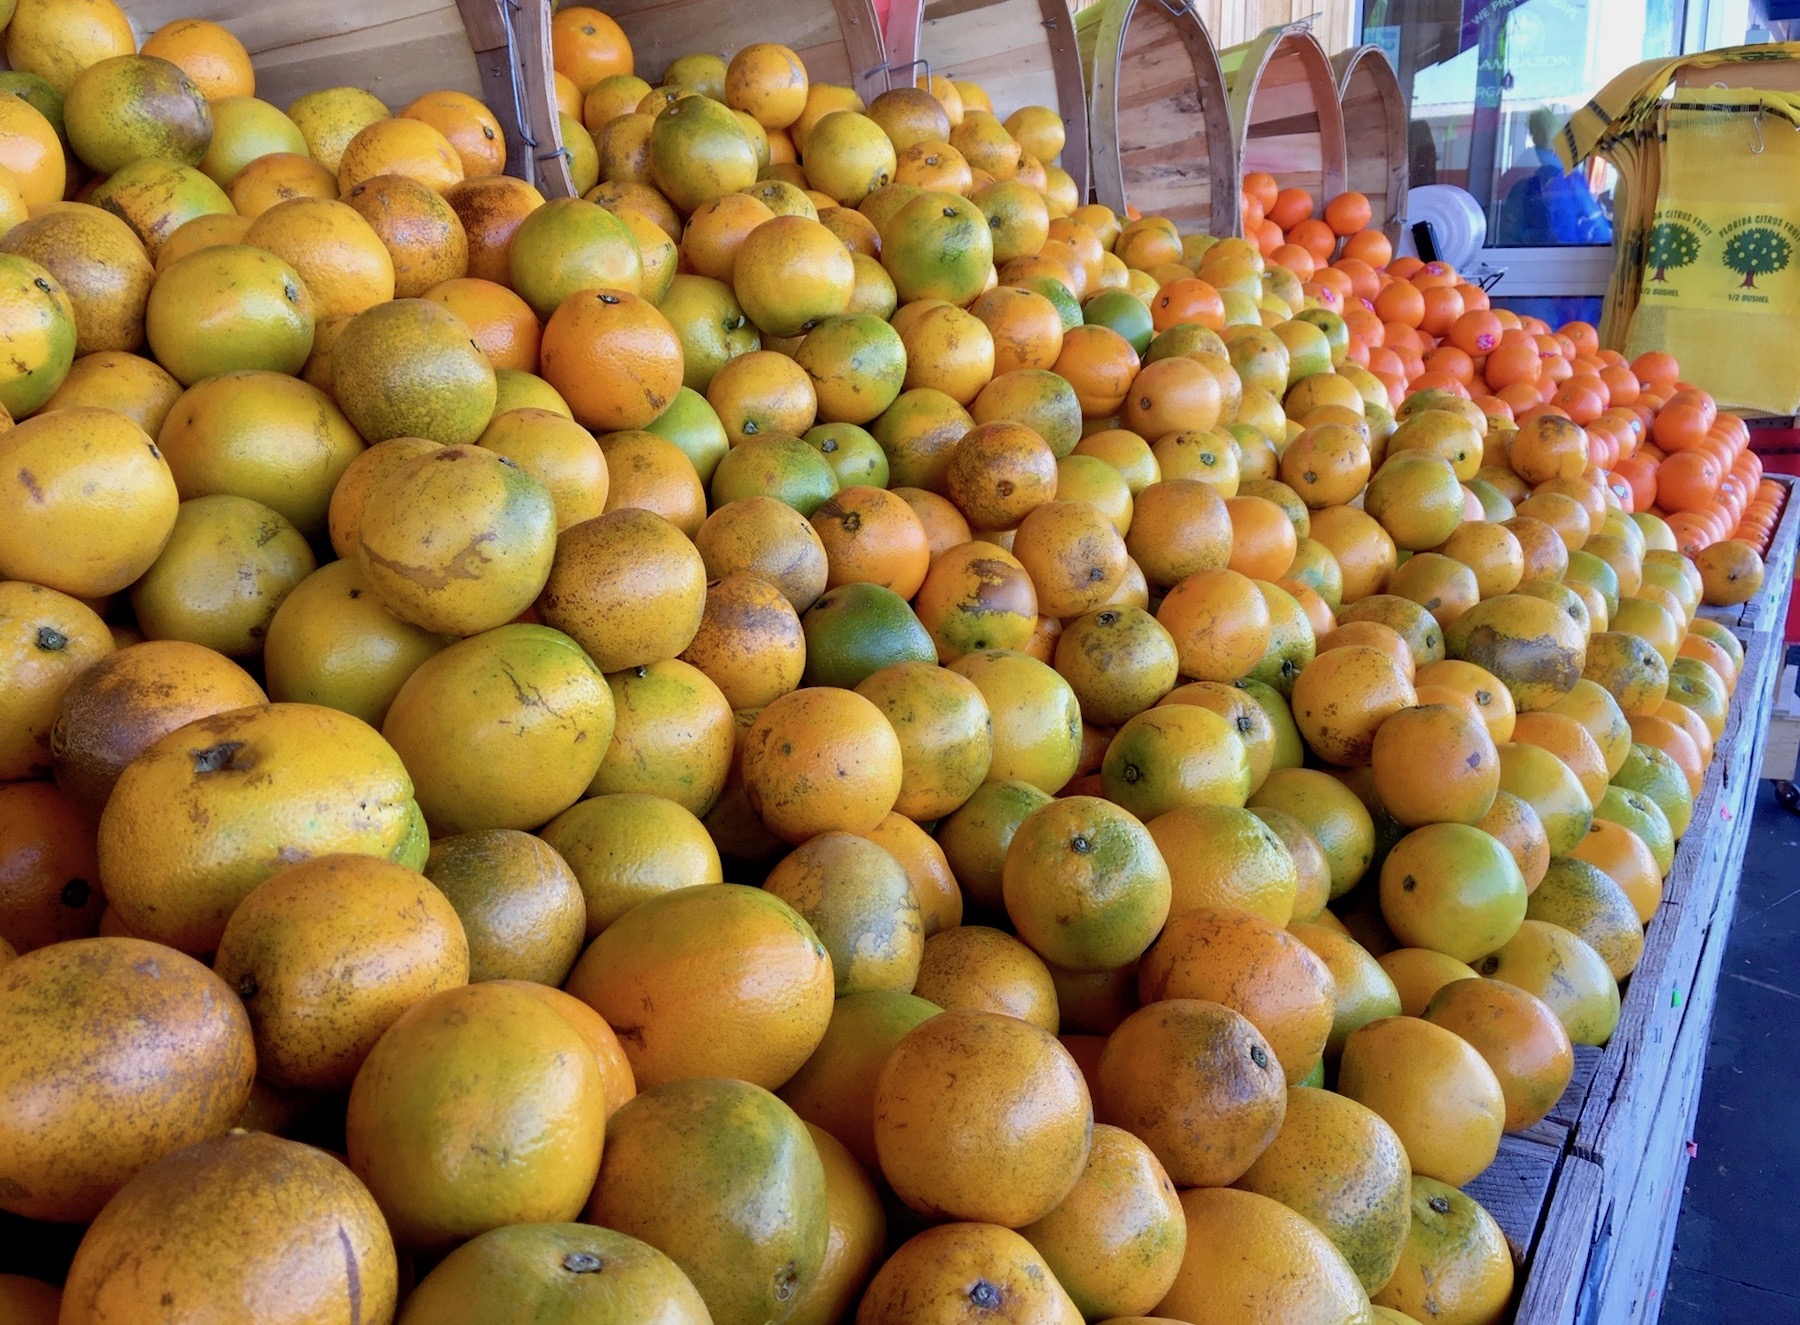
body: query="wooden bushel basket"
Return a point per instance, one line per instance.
(1158, 117)
(1022, 52)
(839, 40)
(1285, 111)
(498, 50)
(1375, 134)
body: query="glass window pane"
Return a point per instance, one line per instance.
(1490, 82)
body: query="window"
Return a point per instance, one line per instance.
(1490, 82)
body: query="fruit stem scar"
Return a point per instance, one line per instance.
(219, 758)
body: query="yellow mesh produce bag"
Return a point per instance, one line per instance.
(1720, 258)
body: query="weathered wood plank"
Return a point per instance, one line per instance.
(1159, 126)
(1376, 138)
(1515, 1189)
(1550, 1293)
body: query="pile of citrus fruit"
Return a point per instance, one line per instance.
(824, 731)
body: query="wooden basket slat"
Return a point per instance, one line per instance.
(838, 39)
(397, 49)
(306, 45)
(1285, 114)
(1377, 148)
(1158, 117)
(1022, 52)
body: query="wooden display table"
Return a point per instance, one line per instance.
(1590, 1197)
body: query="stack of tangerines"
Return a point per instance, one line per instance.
(825, 730)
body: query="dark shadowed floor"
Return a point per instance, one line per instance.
(1738, 1243)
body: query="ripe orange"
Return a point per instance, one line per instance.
(749, 643)
(1116, 1241)
(385, 938)
(182, 1077)
(648, 472)
(706, 950)
(469, 127)
(400, 146)
(1625, 858)
(1344, 696)
(1456, 1263)
(972, 968)
(932, 1272)
(613, 357)
(791, 273)
(1362, 1206)
(1085, 884)
(821, 759)
(1436, 1092)
(1418, 973)
(947, 1150)
(1435, 764)
(341, 1255)
(491, 209)
(1198, 1084)
(1220, 623)
(1253, 1261)
(420, 230)
(47, 868)
(1520, 1038)
(1253, 967)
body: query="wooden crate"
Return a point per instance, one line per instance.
(1609, 1226)
(398, 49)
(1158, 119)
(1376, 156)
(1285, 116)
(1022, 52)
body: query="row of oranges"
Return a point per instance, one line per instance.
(1052, 611)
(1419, 326)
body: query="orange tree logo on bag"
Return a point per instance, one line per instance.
(1757, 248)
(1673, 244)
(1747, 253)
